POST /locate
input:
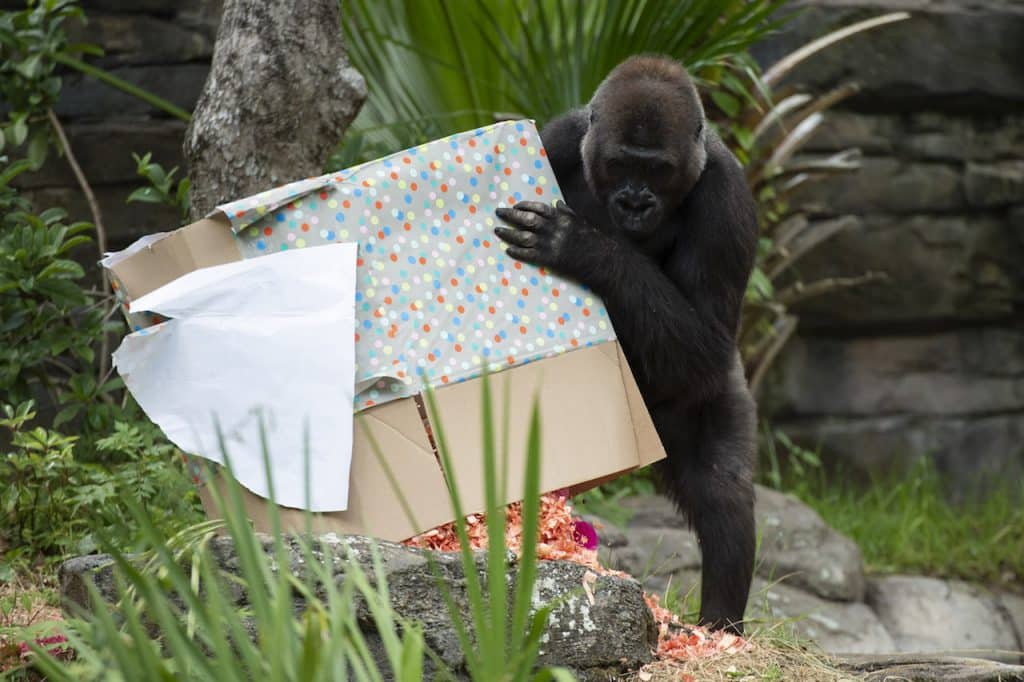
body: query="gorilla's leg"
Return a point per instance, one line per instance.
(712, 483)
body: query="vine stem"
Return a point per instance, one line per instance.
(97, 221)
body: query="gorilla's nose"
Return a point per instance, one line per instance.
(633, 201)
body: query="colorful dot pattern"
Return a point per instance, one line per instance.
(137, 322)
(437, 297)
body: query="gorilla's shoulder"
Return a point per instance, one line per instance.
(562, 137)
(720, 155)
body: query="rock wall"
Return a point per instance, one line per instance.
(930, 362)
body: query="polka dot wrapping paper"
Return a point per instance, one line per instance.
(437, 297)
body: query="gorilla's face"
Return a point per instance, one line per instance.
(642, 153)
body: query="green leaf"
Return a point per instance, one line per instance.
(729, 105)
(744, 137)
(148, 195)
(64, 269)
(37, 149)
(66, 414)
(182, 195)
(13, 170)
(156, 174)
(31, 68)
(18, 132)
(53, 214)
(760, 285)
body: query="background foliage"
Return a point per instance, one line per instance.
(56, 319)
(439, 68)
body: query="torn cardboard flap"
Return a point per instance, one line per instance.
(160, 259)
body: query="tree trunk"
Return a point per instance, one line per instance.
(279, 96)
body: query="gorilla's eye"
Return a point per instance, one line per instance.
(591, 115)
(700, 129)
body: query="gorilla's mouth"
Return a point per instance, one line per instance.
(635, 222)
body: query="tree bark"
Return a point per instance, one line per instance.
(279, 96)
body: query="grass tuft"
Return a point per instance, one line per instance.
(905, 523)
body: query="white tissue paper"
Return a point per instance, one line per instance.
(266, 341)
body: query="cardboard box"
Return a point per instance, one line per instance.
(594, 422)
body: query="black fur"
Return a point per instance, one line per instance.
(661, 225)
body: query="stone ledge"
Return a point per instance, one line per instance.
(928, 668)
(969, 371)
(940, 268)
(968, 449)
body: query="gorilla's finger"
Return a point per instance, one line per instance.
(524, 220)
(563, 207)
(523, 254)
(538, 207)
(516, 237)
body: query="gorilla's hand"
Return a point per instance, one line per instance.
(541, 234)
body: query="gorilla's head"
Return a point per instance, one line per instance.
(644, 149)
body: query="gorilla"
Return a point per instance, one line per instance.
(659, 222)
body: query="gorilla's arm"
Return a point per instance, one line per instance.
(561, 138)
(678, 317)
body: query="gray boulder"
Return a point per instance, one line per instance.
(797, 547)
(613, 632)
(928, 615)
(1013, 606)
(836, 627)
(973, 370)
(969, 450)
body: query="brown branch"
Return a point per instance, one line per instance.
(800, 291)
(800, 243)
(97, 221)
(781, 334)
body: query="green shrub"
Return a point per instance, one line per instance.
(55, 332)
(52, 330)
(51, 502)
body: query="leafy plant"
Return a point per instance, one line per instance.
(49, 322)
(51, 502)
(780, 454)
(504, 642)
(30, 42)
(55, 327)
(162, 189)
(436, 68)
